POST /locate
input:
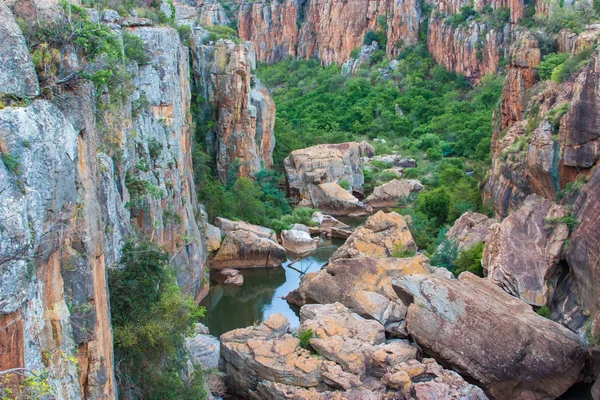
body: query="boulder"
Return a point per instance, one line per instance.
(235, 280)
(490, 337)
(394, 160)
(299, 227)
(203, 350)
(334, 199)
(308, 168)
(468, 230)
(227, 226)
(380, 236)
(299, 242)
(388, 194)
(364, 286)
(17, 73)
(522, 253)
(213, 237)
(327, 221)
(245, 249)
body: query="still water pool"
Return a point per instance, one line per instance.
(231, 307)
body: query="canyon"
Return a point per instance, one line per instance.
(86, 167)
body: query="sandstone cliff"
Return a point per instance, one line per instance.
(68, 205)
(240, 107)
(328, 30)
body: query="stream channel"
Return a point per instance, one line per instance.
(230, 307)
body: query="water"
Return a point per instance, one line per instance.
(231, 307)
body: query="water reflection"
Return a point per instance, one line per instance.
(231, 307)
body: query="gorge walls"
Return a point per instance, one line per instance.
(84, 171)
(328, 30)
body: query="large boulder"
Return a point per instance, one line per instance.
(203, 351)
(308, 168)
(490, 337)
(363, 285)
(227, 226)
(380, 236)
(334, 199)
(388, 194)
(17, 73)
(327, 221)
(522, 253)
(245, 249)
(297, 241)
(468, 230)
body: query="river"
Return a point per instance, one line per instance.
(230, 307)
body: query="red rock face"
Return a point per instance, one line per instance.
(522, 75)
(243, 111)
(473, 51)
(328, 30)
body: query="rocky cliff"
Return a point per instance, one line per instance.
(545, 142)
(239, 106)
(81, 176)
(328, 30)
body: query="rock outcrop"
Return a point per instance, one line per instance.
(241, 138)
(227, 226)
(69, 200)
(320, 29)
(364, 286)
(562, 144)
(388, 194)
(468, 230)
(522, 253)
(245, 249)
(490, 337)
(308, 168)
(354, 359)
(380, 236)
(213, 237)
(525, 55)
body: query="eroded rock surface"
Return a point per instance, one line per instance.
(470, 229)
(522, 253)
(380, 236)
(491, 337)
(298, 241)
(245, 249)
(334, 199)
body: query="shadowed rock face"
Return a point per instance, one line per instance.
(493, 338)
(522, 253)
(584, 253)
(388, 194)
(308, 29)
(245, 249)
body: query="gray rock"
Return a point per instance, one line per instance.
(17, 72)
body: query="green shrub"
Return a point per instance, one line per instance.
(344, 184)
(401, 252)
(11, 161)
(470, 260)
(304, 335)
(185, 34)
(150, 319)
(572, 65)
(435, 205)
(134, 48)
(569, 220)
(544, 311)
(550, 62)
